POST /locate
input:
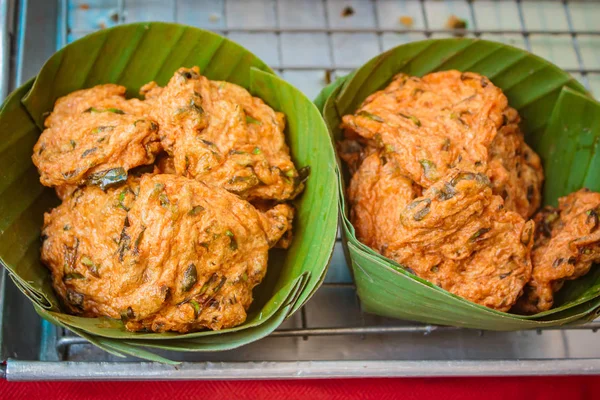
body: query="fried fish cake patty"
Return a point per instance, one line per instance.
(165, 253)
(94, 132)
(567, 243)
(443, 121)
(216, 132)
(457, 235)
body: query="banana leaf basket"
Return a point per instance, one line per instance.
(561, 122)
(131, 55)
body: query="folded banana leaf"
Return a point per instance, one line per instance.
(559, 120)
(132, 55)
(225, 341)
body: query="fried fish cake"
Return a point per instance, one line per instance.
(377, 193)
(165, 253)
(216, 132)
(567, 243)
(443, 121)
(94, 136)
(457, 235)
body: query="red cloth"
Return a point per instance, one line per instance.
(542, 388)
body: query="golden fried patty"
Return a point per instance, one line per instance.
(162, 252)
(218, 133)
(443, 121)
(457, 234)
(567, 243)
(95, 136)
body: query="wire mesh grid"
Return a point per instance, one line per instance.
(310, 42)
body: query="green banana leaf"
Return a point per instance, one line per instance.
(132, 55)
(138, 348)
(559, 121)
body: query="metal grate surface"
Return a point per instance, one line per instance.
(308, 43)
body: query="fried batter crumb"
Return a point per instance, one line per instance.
(454, 22)
(406, 21)
(567, 243)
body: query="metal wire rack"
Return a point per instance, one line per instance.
(309, 43)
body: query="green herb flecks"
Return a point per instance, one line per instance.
(370, 116)
(419, 215)
(158, 188)
(70, 256)
(219, 285)
(592, 217)
(256, 150)
(138, 241)
(108, 178)
(70, 174)
(233, 245)
(429, 169)
(414, 119)
(252, 120)
(99, 110)
(303, 174)
(196, 107)
(505, 275)
(446, 145)
(124, 241)
(164, 200)
(196, 307)
(478, 234)
(121, 199)
(99, 129)
(207, 284)
(73, 275)
(446, 192)
(91, 266)
(73, 143)
(527, 233)
(88, 152)
(190, 277)
(417, 91)
(196, 210)
(127, 315)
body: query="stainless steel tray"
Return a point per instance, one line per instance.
(307, 42)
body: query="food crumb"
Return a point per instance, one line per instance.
(327, 77)
(84, 6)
(214, 17)
(347, 11)
(454, 22)
(406, 21)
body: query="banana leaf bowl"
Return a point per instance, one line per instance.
(131, 55)
(561, 122)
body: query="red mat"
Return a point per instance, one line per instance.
(543, 388)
